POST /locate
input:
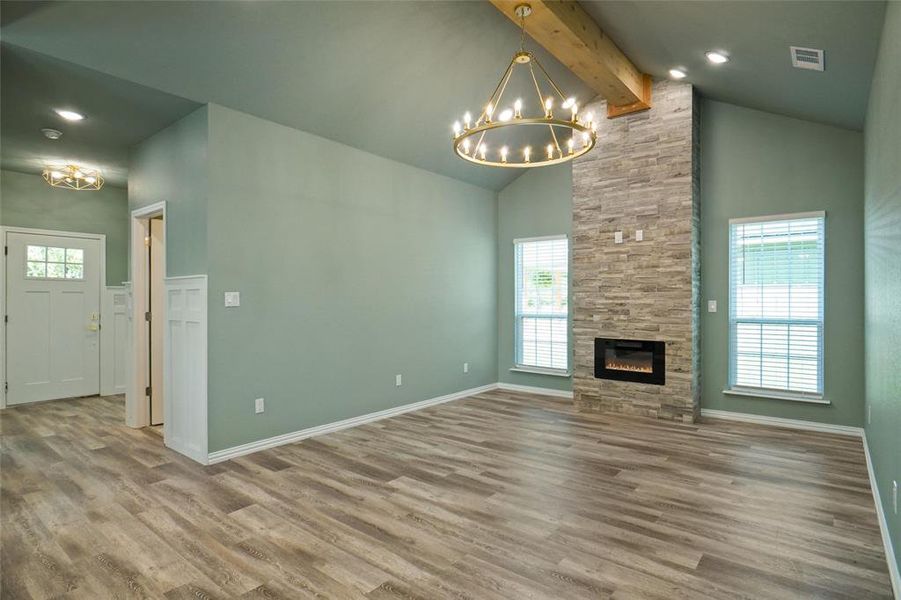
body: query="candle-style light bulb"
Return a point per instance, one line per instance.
(590, 119)
(489, 110)
(585, 138)
(517, 108)
(456, 128)
(482, 151)
(505, 115)
(467, 118)
(466, 146)
(549, 108)
(527, 152)
(571, 144)
(575, 109)
(550, 151)
(569, 102)
(503, 154)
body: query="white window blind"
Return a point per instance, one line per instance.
(542, 273)
(776, 304)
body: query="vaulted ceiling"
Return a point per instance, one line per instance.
(386, 77)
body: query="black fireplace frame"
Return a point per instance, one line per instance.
(658, 363)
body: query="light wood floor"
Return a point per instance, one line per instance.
(501, 495)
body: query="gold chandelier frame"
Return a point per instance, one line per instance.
(582, 128)
(73, 177)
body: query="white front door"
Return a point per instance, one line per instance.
(53, 311)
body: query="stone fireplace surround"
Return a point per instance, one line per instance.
(643, 175)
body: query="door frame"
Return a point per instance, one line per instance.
(137, 407)
(7, 229)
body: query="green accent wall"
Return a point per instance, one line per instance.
(755, 163)
(537, 203)
(352, 268)
(172, 166)
(27, 201)
(882, 227)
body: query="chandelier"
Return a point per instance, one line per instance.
(546, 139)
(73, 177)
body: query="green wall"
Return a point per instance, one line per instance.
(27, 201)
(882, 227)
(537, 203)
(755, 163)
(352, 268)
(172, 166)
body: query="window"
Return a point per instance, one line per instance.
(48, 262)
(542, 306)
(776, 304)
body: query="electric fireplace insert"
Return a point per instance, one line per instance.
(630, 360)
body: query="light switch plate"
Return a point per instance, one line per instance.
(259, 405)
(398, 380)
(466, 367)
(711, 306)
(639, 235)
(618, 237)
(232, 299)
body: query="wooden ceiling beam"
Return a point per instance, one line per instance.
(565, 30)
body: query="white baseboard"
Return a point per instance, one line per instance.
(528, 389)
(894, 574)
(780, 422)
(296, 436)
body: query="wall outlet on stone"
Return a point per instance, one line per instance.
(618, 237)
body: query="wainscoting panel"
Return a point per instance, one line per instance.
(185, 376)
(114, 341)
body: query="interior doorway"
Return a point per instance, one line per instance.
(156, 272)
(145, 400)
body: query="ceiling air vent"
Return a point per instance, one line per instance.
(807, 58)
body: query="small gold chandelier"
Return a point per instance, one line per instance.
(567, 137)
(73, 177)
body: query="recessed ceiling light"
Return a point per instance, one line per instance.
(69, 115)
(717, 58)
(677, 73)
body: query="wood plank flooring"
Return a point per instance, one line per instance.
(501, 495)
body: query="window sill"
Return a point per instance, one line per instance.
(776, 395)
(541, 371)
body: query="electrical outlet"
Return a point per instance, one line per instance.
(711, 306)
(639, 235)
(617, 237)
(895, 496)
(259, 405)
(398, 380)
(466, 367)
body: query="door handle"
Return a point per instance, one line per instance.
(93, 327)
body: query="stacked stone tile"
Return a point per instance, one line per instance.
(643, 174)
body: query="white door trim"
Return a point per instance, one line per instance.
(7, 229)
(137, 409)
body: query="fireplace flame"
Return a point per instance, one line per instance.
(622, 366)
